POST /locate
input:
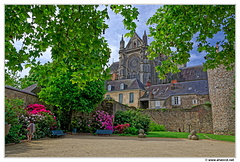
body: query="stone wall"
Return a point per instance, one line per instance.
(198, 118)
(28, 97)
(221, 92)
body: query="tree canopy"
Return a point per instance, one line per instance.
(174, 26)
(72, 32)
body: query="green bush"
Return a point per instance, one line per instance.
(13, 108)
(136, 119)
(156, 127)
(131, 130)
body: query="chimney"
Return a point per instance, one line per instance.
(148, 84)
(114, 76)
(174, 81)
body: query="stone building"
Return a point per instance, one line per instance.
(189, 88)
(125, 91)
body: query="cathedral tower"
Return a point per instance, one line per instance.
(133, 62)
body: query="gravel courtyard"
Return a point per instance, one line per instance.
(119, 146)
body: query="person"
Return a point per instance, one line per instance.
(31, 130)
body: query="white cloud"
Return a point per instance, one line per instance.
(46, 56)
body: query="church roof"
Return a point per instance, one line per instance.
(163, 91)
(114, 67)
(129, 84)
(135, 36)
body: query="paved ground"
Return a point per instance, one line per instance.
(119, 146)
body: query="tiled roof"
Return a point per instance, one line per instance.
(163, 91)
(129, 84)
(192, 73)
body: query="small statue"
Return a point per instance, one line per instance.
(193, 135)
(141, 134)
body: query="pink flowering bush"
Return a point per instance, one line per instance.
(105, 120)
(44, 120)
(99, 120)
(37, 109)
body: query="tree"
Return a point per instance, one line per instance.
(12, 79)
(68, 98)
(73, 32)
(173, 27)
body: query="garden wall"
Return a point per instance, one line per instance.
(28, 97)
(198, 118)
(222, 97)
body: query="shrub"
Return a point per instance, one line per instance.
(13, 109)
(156, 127)
(134, 118)
(121, 127)
(105, 119)
(131, 130)
(44, 123)
(99, 120)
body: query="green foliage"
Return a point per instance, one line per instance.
(59, 91)
(173, 26)
(14, 135)
(156, 127)
(17, 116)
(13, 108)
(131, 130)
(73, 33)
(134, 118)
(12, 79)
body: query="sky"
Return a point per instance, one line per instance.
(114, 34)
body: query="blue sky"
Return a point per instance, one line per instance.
(116, 29)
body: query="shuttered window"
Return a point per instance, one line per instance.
(131, 97)
(120, 98)
(176, 100)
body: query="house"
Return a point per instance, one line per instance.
(125, 91)
(175, 95)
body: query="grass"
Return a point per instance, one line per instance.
(185, 135)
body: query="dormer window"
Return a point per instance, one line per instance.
(109, 87)
(121, 86)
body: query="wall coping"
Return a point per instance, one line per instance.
(19, 90)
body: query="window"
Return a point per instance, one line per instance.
(176, 100)
(131, 97)
(157, 103)
(194, 102)
(109, 87)
(121, 86)
(120, 98)
(108, 97)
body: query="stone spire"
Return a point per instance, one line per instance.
(122, 43)
(145, 38)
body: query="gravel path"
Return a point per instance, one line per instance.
(119, 146)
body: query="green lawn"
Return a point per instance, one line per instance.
(185, 135)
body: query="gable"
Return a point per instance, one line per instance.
(134, 42)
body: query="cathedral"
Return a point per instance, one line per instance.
(133, 61)
(135, 81)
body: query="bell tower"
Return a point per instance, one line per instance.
(122, 60)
